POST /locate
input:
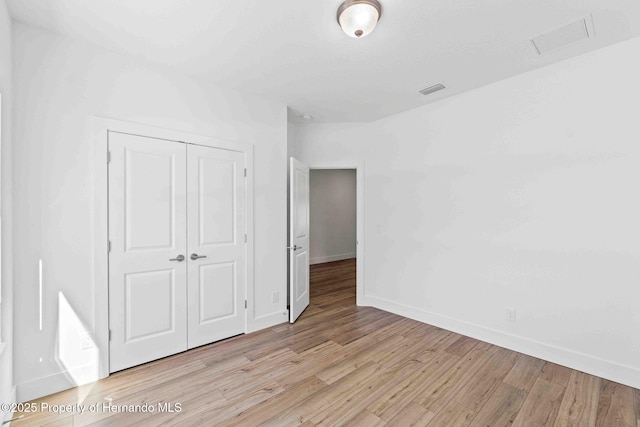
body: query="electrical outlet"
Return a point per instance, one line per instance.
(275, 297)
(87, 342)
(511, 315)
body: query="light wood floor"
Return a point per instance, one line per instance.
(340, 364)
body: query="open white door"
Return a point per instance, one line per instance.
(298, 239)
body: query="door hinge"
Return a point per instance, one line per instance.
(245, 172)
(108, 245)
(245, 304)
(108, 156)
(245, 238)
(109, 334)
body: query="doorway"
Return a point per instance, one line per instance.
(333, 222)
(297, 202)
(333, 235)
(337, 219)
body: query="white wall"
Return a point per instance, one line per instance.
(6, 333)
(59, 86)
(522, 194)
(332, 203)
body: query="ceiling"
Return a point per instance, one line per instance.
(293, 51)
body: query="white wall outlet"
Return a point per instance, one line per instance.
(275, 297)
(511, 315)
(87, 342)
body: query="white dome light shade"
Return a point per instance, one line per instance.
(359, 17)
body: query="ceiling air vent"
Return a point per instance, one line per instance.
(431, 89)
(564, 35)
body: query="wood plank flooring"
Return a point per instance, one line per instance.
(347, 365)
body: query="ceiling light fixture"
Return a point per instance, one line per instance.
(359, 17)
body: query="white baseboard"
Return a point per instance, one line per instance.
(44, 386)
(55, 383)
(339, 257)
(269, 320)
(613, 371)
(7, 415)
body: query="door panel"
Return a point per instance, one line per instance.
(148, 188)
(149, 304)
(218, 297)
(216, 198)
(217, 207)
(302, 203)
(147, 228)
(299, 239)
(302, 271)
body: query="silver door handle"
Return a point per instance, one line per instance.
(295, 247)
(196, 256)
(179, 258)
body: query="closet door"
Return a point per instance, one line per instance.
(148, 240)
(216, 236)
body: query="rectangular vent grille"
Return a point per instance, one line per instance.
(565, 35)
(431, 89)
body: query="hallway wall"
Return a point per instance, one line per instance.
(332, 215)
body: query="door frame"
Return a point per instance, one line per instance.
(101, 127)
(358, 165)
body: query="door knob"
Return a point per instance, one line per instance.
(196, 256)
(179, 258)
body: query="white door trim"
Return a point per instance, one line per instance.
(358, 165)
(101, 127)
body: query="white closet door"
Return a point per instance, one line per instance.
(147, 233)
(216, 236)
